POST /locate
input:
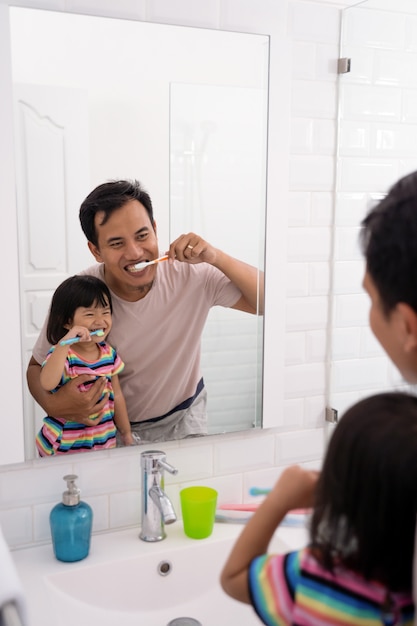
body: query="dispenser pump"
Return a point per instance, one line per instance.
(71, 497)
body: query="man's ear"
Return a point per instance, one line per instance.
(95, 252)
(408, 318)
(154, 226)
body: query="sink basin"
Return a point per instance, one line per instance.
(127, 582)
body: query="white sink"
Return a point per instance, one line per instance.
(121, 581)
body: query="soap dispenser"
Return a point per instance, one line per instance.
(71, 522)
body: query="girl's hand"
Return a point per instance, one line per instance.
(295, 488)
(127, 439)
(78, 331)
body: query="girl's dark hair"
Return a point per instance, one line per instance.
(74, 292)
(366, 499)
(107, 198)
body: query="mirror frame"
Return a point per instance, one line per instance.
(265, 21)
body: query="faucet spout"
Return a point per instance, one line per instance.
(164, 504)
(157, 509)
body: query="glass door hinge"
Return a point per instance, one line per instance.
(331, 415)
(343, 65)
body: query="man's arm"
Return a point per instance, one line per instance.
(191, 248)
(68, 402)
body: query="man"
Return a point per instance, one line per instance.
(389, 243)
(159, 314)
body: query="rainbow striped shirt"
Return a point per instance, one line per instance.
(295, 589)
(58, 436)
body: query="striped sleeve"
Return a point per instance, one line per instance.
(272, 583)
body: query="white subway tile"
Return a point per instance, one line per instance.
(347, 246)
(321, 208)
(34, 483)
(130, 9)
(361, 65)
(245, 16)
(184, 12)
(369, 345)
(297, 279)
(300, 446)
(243, 454)
(313, 99)
(326, 62)
(351, 208)
(304, 380)
(315, 412)
(294, 413)
(16, 525)
(367, 174)
(324, 137)
(299, 208)
(316, 346)
(309, 244)
(351, 310)
(311, 173)
(125, 509)
(409, 110)
(306, 313)
(356, 374)
(354, 138)
(303, 60)
(371, 103)
(342, 401)
(410, 39)
(347, 277)
(376, 29)
(319, 279)
(295, 348)
(346, 343)
(314, 22)
(390, 140)
(301, 141)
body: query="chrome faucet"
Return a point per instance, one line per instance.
(157, 509)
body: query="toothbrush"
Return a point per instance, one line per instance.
(257, 491)
(67, 342)
(143, 264)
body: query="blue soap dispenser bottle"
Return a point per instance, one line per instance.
(71, 523)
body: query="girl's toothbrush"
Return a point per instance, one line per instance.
(143, 264)
(67, 342)
(257, 491)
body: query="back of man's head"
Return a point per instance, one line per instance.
(389, 243)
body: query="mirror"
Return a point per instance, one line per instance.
(188, 119)
(377, 146)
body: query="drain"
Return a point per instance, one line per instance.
(164, 568)
(184, 621)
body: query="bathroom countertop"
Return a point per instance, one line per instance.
(37, 566)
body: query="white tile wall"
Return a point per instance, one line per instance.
(377, 133)
(232, 463)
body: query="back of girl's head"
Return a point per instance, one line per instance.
(74, 292)
(366, 499)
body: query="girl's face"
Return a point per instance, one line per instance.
(94, 317)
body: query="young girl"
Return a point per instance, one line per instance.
(82, 305)
(357, 569)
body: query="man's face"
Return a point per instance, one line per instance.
(392, 331)
(128, 237)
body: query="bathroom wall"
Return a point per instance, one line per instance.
(231, 463)
(377, 146)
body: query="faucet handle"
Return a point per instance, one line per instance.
(166, 466)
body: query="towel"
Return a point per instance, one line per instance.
(12, 599)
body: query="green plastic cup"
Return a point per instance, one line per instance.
(198, 506)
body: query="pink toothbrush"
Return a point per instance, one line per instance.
(143, 264)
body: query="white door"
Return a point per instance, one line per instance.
(53, 177)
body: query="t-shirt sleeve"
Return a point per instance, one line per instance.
(272, 583)
(219, 289)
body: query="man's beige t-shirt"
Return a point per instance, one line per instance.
(159, 337)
